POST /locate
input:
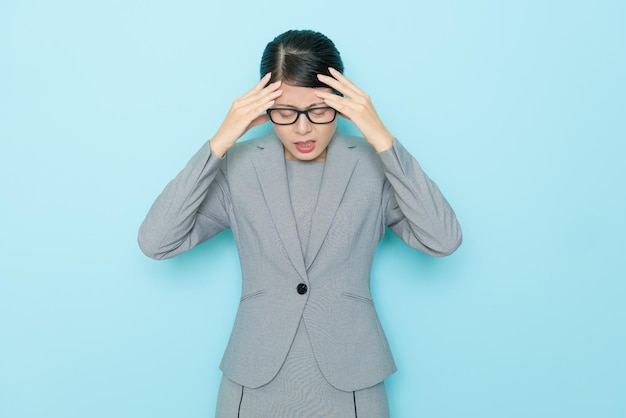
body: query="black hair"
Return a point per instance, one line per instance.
(297, 56)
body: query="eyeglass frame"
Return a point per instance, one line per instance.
(300, 112)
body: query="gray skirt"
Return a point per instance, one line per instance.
(300, 390)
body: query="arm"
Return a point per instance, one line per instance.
(176, 222)
(195, 205)
(414, 207)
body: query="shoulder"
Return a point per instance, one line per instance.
(357, 143)
(358, 147)
(245, 150)
(249, 146)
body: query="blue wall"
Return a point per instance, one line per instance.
(515, 108)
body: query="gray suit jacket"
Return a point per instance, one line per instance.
(362, 192)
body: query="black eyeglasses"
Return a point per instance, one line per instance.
(289, 116)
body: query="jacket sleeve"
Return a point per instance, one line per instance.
(192, 208)
(415, 209)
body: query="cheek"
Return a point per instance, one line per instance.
(327, 131)
(281, 133)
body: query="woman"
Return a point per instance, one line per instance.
(307, 206)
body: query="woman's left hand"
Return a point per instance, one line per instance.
(356, 106)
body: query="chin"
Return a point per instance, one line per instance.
(308, 157)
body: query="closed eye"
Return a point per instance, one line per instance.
(319, 111)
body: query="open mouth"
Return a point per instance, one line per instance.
(305, 146)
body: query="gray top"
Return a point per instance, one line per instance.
(304, 178)
(299, 388)
(362, 193)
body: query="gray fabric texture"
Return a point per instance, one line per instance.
(304, 179)
(300, 390)
(362, 192)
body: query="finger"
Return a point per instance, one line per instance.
(345, 88)
(259, 120)
(343, 79)
(332, 83)
(260, 106)
(269, 93)
(260, 85)
(349, 109)
(338, 103)
(248, 115)
(263, 82)
(332, 98)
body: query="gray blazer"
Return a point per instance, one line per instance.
(362, 192)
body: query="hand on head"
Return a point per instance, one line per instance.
(246, 112)
(356, 106)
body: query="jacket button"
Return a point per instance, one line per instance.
(302, 289)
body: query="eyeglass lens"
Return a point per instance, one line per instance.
(287, 116)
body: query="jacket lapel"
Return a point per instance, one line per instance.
(269, 164)
(338, 169)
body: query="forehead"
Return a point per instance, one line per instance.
(301, 97)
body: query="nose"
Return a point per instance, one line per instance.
(303, 126)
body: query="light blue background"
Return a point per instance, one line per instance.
(515, 108)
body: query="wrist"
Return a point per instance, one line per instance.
(382, 142)
(218, 147)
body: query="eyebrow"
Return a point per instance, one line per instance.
(296, 107)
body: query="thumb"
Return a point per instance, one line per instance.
(259, 120)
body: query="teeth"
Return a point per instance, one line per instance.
(306, 144)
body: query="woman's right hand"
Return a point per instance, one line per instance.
(246, 112)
